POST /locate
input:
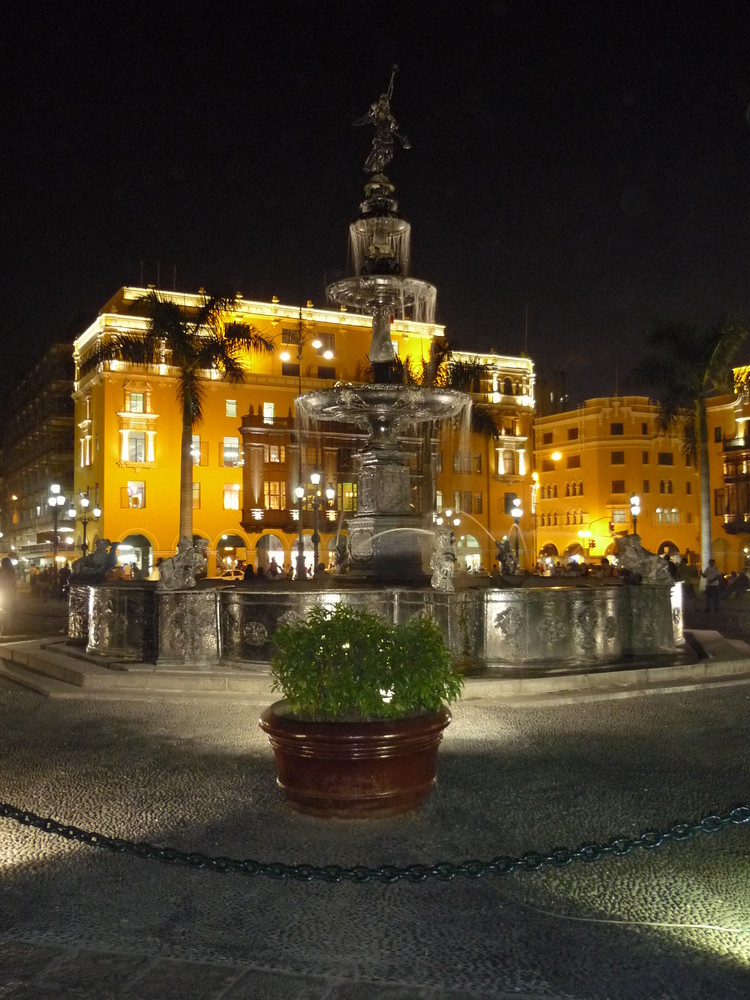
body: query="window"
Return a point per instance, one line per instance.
(199, 451)
(548, 465)
(618, 485)
(274, 495)
(311, 455)
(573, 462)
(290, 336)
(273, 453)
(617, 457)
(327, 342)
(133, 495)
(665, 485)
(644, 429)
(688, 488)
(439, 461)
(231, 496)
(456, 462)
(618, 516)
(289, 369)
(665, 458)
(508, 499)
(457, 501)
(137, 446)
(268, 413)
(646, 486)
(231, 452)
(326, 371)
(717, 435)
(196, 496)
(547, 437)
(347, 496)
(136, 402)
(719, 503)
(616, 429)
(438, 500)
(572, 434)
(580, 488)
(477, 503)
(645, 458)
(659, 515)
(478, 463)
(231, 408)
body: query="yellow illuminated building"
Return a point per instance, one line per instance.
(605, 468)
(249, 456)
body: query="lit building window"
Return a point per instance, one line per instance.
(231, 496)
(231, 407)
(231, 452)
(133, 495)
(274, 495)
(273, 453)
(196, 496)
(268, 413)
(136, 402)
(137, 446)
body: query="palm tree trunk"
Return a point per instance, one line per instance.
(705, 482)
(186, 474)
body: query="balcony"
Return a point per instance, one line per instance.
(736, 524)
(737, 443)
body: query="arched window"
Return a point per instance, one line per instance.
(580, 489)
(554, 494)
(567, 489)
(555, 519)
(508, 387)
(661, 485)
(669, 486)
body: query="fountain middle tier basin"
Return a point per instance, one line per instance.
(382, 409)
(489, 629)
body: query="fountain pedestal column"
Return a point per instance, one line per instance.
(385, 536)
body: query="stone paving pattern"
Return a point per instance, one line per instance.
(672, 924)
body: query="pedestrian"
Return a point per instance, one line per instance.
(7, 591)
(249, 574)
(713, 577)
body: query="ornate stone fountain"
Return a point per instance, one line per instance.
(487, 626)
(386, 535)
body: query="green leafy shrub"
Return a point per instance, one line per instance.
(343, 663)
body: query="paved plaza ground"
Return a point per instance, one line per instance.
(669, 924)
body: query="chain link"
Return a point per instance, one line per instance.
(444, 871)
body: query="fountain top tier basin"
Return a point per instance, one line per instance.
(380, 408)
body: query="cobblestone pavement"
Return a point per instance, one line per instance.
(670, 924)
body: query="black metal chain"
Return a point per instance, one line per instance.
(445, 871)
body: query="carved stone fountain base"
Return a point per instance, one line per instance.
(488, 629)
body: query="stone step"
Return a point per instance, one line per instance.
(59, 671)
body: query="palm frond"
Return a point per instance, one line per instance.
(482, 421)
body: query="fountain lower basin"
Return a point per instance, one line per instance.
(489, 629)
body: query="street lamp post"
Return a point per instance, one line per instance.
(55, 500)
(300, 573)
(635, 509)
(84, 517)
(315, 480)
(516, 513)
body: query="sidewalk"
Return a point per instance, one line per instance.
(197, 775)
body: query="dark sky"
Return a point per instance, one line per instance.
(579, 171)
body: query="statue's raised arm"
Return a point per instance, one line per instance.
(386, 127)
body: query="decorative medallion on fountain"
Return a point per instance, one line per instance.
(255, 634)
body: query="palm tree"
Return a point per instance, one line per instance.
(686, 366)
(192, 341)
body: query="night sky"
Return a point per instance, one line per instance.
(579, 171)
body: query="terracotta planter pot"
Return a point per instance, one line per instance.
(354, 769)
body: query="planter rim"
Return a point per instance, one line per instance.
(278, 715)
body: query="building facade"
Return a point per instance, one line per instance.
(590, 462)
(250, 454)
(37, 453)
